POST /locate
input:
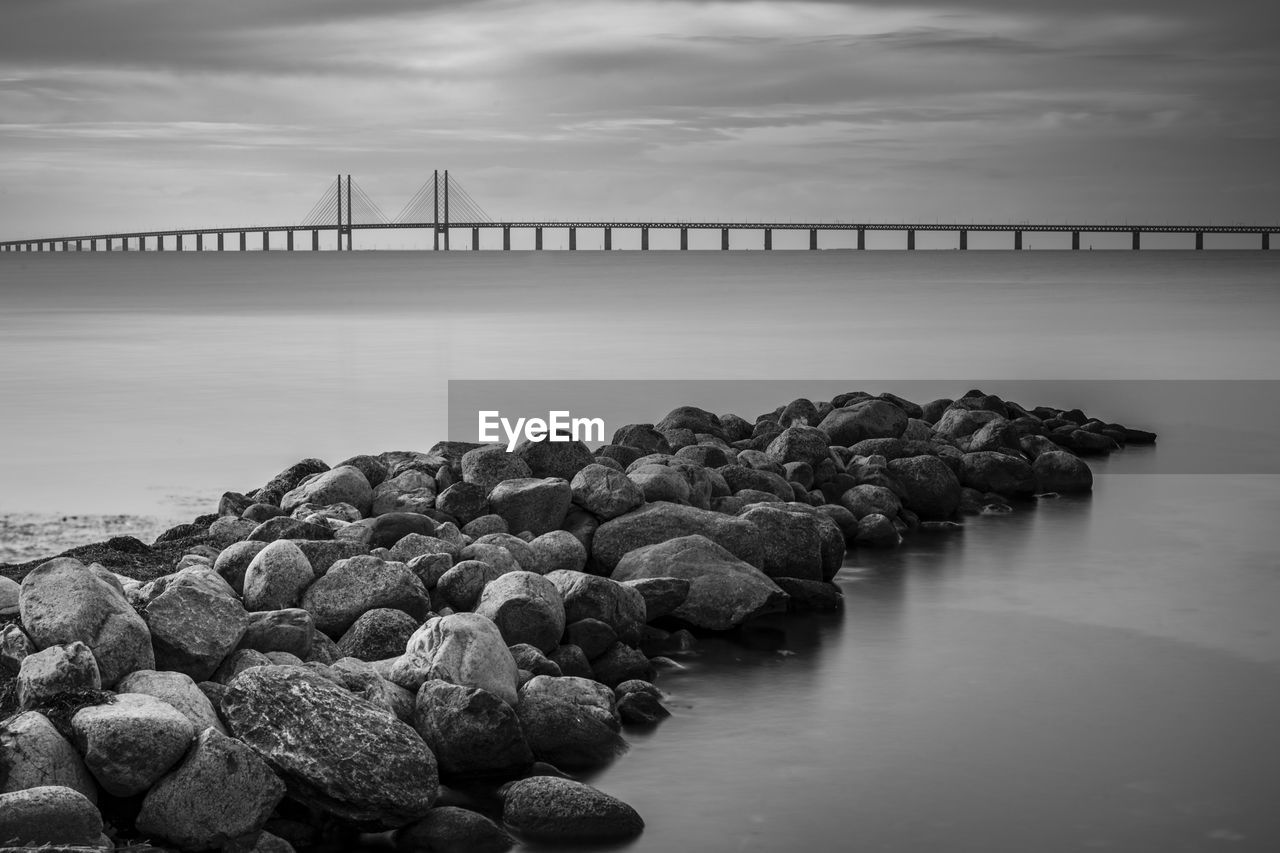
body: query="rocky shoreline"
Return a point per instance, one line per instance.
(430, 644)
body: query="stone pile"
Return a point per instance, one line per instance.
(332, 651)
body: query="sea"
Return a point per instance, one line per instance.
(1082, 673)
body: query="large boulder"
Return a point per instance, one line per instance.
(220, 793)
(290, 629)
(333, 750)
(360, 584)
(10, 592)
(932, 490)
(586, 596)
(558, 549)
(604, 492)
(991, 471)
(490, 465)
(554, 457)
(1061, 471)
(33, 753)
(277, 576)
(464, 501)
(800, 444)
(526, 607)
(344, 484)
(52, 817)
(411, 491)
(57, 669)
(128, 744)
(791, 542)
(957, 422)
(532, 504)
(743, 478)
(177, 690)
(661, 595)
(693, 419)
(659, 522)
(63, 601)
(233, 561)
(724, 591)
(386, 530)
(288, 479)
(450, 829)
(864, 499)
(194, 626)
(471, 731)
(461, 648)
(571, 722)
(378, 634)
(865, 419)
(548, 808)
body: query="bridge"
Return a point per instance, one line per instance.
(443, 206)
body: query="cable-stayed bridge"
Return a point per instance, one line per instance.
(444, 207)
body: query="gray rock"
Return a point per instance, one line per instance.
(450, 829)
(490, 523)
(877, 531)
(10, 590)
(659, 522)
(463, 648)
(290, 629)
(335, 751)
(622, 663)
(791, 544)
(554, 458)
(586, 596)
(461, 585)
(63, 601)
(233, 561)
(360, 584)
(33, 753)
(237, 662)
(373, 468)
(179, 692)
(865, 419)
(378, 634)
(130, 743)
(14, 646)
(277, 577)
(724, 591)
(284, 527)
(57, 669)
(660, 483)
(49, 815)
(591, 635)
(991, 471)
(385, 530)
(799, 444)
(1060, 471)
(558, 550)
(526, 607)
(488, 466)
(661, 595)
(533, 661)
(288, 479)
(536, 505)
(932, 490)
(230, 529)
(344, 484)
(548, 808)
(410, 491)
(572, 661)
(322, 555)
(864, 499)
(807, 596)
(464, 501)
(570, 722)
(500, 558)
(193, 627)
(470, 731)
(222, 792)
(958, 423)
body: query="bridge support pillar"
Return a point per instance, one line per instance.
(1200, 241)
(221, 242)
(177, 242)
(142, 244)
(266, 241)
(724, 239)
(1075, 240)
(813, 239)
(1137, 240)
(199, 242)
(1017, 239)
(435, 239)
(608, 239)
(1266, 240)
(644, 239)
(244, 242)
(79, 246)
(64, 245)
(684, 239)
(911, 240)
(862, 238)
(573, 239)
(288, 242)
(475, 239)
(506, 238)
(964, 239)
(107, 244)
(768, 239)
(315, 239)
(537, 239)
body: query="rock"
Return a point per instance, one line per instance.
(877, 531)
(496, 556)
(260, 512)
(344, 484)
(661, 595)
(932, 490)
(559, 458)
(130, 743)
(464, 501)
(741, 478)
(63, 601)
(864, 499)
(237, 662)
(322, 555)
(957, 423)
(643, 437)
(488, 466)
(460, 586)
(374, 469)
(693, 419)
(526, 607)
(429, 568)
(449, 829)
(387, 529)
(558, 550)
(363, 679)
(178, 691)
(724, 591)
(333, 750)
(547, 808)
(659, 522)
(570, 722)
(55, 670)
(471, 731)
(591, 635)
(288, 479)
(1063, 472)
(533, 661)
(485, 524)
(10, 590)
(289, 629)
(622, 663)
(33, 753)
(49, 815)
(284, 527)
(359, 584)
(640, 708)
(378, 634)
(220, 793)
(463, 648)
(990, 471)
(806, 595)
(410, 491)
(799, 444)
(865, 419)
(230, 529)
(586, 596)
(844, 520)
(571, 660)
(536, 505)
(193, 627)
(234, 560)
(277, 577)
(14, 646)
(995, 434)
(660, 483)
(604, 492)
(791, 545)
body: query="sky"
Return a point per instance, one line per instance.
(131, 114)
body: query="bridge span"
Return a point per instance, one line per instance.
(345, 208)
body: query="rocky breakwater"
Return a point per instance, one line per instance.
(343, 649)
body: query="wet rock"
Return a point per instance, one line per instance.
(333, 750)
(471, 731)
(572, 660)
(932, 490)
(1063, 472)
(551, 809)
(221, 792)
(661, 595)
(360, 584)
(378, 634)
(450, 829)
(659, 522)
(463, 648)
(57, 669)
(586, 596)
(877, 531)
(526, 607)
(33, 753)
(178, 691)
(864, 499)
(130, 743)
(791, 544)
(622, 663)
(63, 601)
(570, 722)
(536, 505)
(989, 471)
(724, 591)
(639, 708)
(49, 815)
(807, 595)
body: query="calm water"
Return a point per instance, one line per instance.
(1090, 674)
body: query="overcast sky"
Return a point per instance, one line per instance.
(142, 113)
